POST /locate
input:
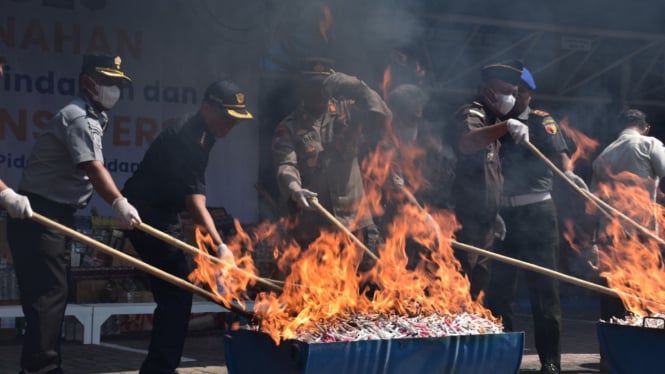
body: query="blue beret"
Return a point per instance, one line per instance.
(527, 78)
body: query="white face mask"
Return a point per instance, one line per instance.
(504, 103)
(107, 96)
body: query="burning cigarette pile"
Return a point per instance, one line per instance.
(375, 327)
(655, 321)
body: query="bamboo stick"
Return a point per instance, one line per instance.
(336, 222)
(195, 251)
(527, 265)
(595, 200)
(139, 264)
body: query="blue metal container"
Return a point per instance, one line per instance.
(255, 352)
(630, 349)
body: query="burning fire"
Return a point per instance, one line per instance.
(633, 262)
(326, 23)
(585, 145)
(323, 284)
(387, 81)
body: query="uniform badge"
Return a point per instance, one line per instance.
(117, 61)
(551, 129)
(240, 98)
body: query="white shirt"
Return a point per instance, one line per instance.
(643, 156)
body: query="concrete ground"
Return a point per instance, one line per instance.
(204, 351)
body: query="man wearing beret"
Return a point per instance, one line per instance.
(475, 134)
(64, 168)
(316, 149)
(170, 179)
(530, 217)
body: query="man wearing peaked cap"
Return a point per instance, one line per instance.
(228, 96)
(474, 133)
(316, 149)
(171, 179)
(104, 64)
(532, 231)
(64, 168)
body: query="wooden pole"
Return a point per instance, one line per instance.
(139, 264)
(527, 265)
(595, 200)
(341, 226)
(170, 239)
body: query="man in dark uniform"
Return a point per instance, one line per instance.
(531, 226)
(170, 179)
(65, 166)
(475, 134)
(315, 150)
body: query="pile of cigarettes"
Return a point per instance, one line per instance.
(374, 327)
(654, 321)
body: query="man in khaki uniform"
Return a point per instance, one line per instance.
(315, 150)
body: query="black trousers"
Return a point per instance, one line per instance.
(171, 317)
(532, 236)
(477, 230)
(40, 258)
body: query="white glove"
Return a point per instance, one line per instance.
(579, 182)
(225, 254)
(125, 212)
(18, 206)
(499, 228)
(591, 256)
(518, 130)
(302, 197)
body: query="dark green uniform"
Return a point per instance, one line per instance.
(476, 192)
(532, 233)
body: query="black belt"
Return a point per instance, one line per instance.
(41, 204)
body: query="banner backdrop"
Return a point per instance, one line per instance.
(171, 50)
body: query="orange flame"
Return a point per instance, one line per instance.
(585, 145)
(387, 80)
(322, 282)
(632, 262)
(326, 23)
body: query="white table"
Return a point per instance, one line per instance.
(102, 312)
(82, 312)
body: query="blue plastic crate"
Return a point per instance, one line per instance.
(255, 352)
(631, 349)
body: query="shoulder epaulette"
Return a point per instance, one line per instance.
(540, 113)
(477, 113)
